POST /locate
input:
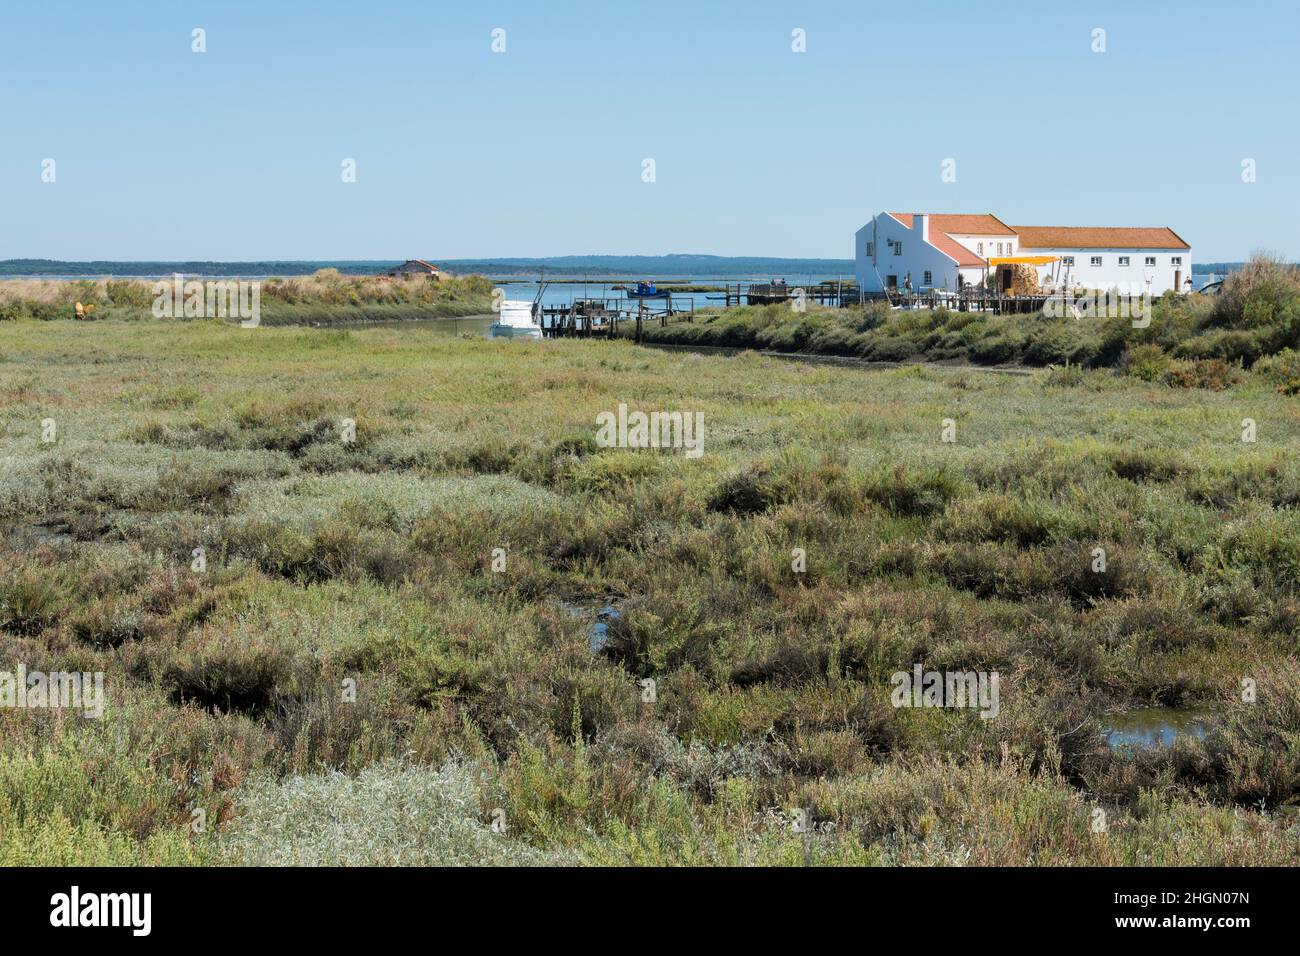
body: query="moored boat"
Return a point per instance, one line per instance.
(645, 290)
(516, 321)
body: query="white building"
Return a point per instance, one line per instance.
(946, 252)
(1130, 259)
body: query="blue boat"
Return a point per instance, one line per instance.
(645, 290)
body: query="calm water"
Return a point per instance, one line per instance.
(1147, 728)
(604, 615)
(561, 292)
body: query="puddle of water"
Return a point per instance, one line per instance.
(48, 534)
(1148, 728)
(605, 614)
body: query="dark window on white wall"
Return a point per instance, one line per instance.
(1177, 260)
(1123, 260)
(1151, 260)
(1096, 260)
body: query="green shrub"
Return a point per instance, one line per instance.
(227, 677)
(1231, 345)
(1147, 362)
(994, 349)
(744, 492)
(1264, 292)
(892, 348)
(909, 490)
(29, 600)
(871, 316)
(1281, 370)
(129, 293)
(1213, 374)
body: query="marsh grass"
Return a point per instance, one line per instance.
(1197, 341)
(372, 562)
(324, 298)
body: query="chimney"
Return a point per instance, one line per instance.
(921, 225)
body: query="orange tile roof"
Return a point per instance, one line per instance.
(1098, 237)
(954, 249)
(961, 224)
(944, 225)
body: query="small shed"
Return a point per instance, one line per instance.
(416, 267)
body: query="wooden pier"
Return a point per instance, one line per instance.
(612, 316)
(842, 294)
(603, 318)
(779, 290)
(970, 299)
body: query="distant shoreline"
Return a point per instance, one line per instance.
(571, 268)
(598, 267)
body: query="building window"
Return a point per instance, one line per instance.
(1177, 260)
(1067, 260)
(871, 248)
(1123, 260)
(926, 280)
(1151, 260)
(979, 248)
(898, 248)
(1095, 261)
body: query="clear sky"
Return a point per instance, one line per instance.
(236, 153)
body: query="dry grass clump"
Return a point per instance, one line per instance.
(387, 815)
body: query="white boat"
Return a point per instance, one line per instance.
(516, 322)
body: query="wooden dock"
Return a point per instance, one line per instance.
(970, 299)
(603, 318)
(612, 316)
(779, 290)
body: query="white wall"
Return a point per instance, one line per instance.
(1135, 278)
(917, 257)
(989, 244)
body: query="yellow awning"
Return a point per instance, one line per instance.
(1024, 260)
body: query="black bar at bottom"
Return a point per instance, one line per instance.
(939, 906)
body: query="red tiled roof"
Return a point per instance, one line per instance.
(944, 225)
(954, 249)
(961, 224)
(1098, 237)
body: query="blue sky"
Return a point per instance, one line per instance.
(235, 153)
